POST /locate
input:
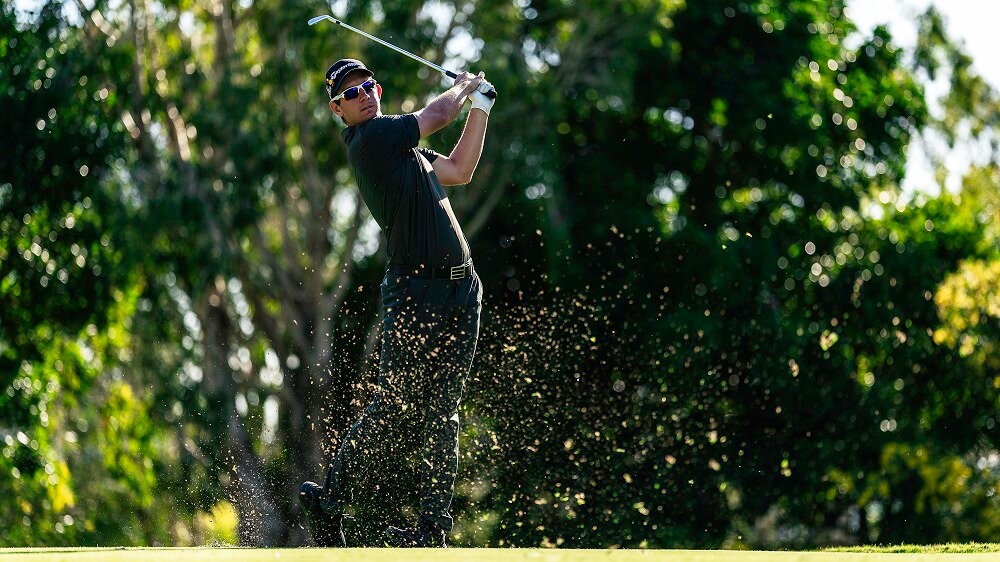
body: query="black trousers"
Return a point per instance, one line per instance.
(429, 332)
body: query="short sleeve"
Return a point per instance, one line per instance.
(393, 133)
(429, 154)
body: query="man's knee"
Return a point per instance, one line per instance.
(386, 408)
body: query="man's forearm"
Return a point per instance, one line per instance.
(448, 104)
(469, 147)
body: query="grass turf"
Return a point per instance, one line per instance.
(953, 548)
(957, 553)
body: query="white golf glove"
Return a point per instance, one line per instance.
(479, 99)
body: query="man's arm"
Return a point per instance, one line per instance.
(445, 108)
(458, 167)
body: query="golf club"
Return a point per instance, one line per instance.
(492, 94)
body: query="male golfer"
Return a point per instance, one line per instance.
(430, 296)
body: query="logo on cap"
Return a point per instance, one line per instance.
(347, 67)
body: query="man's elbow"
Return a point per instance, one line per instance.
(456, 179)
(452, 171)
(465, 177)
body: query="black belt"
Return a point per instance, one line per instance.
(450, 272)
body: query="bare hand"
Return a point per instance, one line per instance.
(468, 82)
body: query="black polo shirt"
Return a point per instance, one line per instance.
(403, 193)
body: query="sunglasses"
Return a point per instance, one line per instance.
(355, 91)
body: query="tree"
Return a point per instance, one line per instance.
(257, 243)
(67, 291)
(709, 317)
(714, 291)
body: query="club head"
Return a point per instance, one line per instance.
(317, 19)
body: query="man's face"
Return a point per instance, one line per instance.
(361, 108)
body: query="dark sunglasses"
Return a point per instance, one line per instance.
(355, 91)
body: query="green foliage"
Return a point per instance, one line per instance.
(710, 319)
(970, 101)
(744, 329)
(938, 493)
(78, 447)
(59, 265)
(968, 304)
(967, 299)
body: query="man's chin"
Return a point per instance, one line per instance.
(367, 115)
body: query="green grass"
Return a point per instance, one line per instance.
(957, 553)
(954, 548)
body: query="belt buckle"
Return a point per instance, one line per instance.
(457, 272)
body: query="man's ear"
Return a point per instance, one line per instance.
(334, 107)
(378, 88)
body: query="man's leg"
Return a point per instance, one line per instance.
(363, 445)
(368, 438)
(456, 345)
(441, 423)
(361, 448)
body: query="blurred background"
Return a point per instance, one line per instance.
(740, 261)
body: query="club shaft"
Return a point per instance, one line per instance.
(444, 71)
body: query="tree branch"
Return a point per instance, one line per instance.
(330, 304)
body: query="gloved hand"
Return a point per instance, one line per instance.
(479, 98)
(486, 87)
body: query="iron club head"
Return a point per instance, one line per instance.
(317, 19)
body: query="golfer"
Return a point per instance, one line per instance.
(431, 296)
